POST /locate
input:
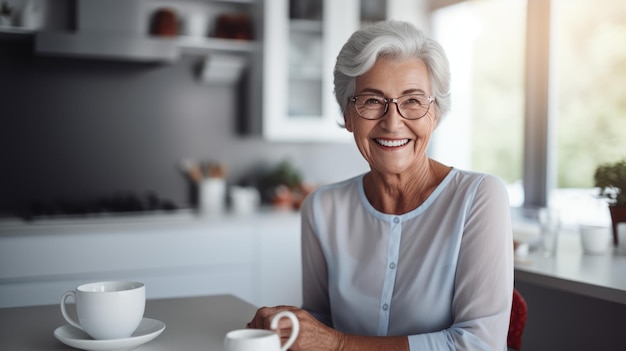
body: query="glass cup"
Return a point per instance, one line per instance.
(550, 225)
(621, 238)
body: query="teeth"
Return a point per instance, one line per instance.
(392, 143)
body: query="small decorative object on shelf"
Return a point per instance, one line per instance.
(611, 179)
(165, 23)
(6, 15)
(233, 26)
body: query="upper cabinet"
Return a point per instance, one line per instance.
(301, 41)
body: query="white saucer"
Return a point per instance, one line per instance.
(147, 330)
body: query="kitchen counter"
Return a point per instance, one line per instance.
(596, 276)
(15, 225)
(575, 301)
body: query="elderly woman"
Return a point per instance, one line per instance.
(414, 254)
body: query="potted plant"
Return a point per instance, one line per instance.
(285, 186)
(610, 178)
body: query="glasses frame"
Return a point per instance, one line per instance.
(354, 98)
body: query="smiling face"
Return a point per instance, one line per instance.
(392, 144)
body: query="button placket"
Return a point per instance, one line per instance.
(393, 249)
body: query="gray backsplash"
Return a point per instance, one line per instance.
(75, 129)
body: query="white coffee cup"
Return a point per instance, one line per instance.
(107, 310)
(261, 339)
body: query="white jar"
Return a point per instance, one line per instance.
(212, 197)
(594, 239)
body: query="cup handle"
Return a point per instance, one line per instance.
(66, 315)
(295, 327)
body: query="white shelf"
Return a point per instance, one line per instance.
(186, 44)
(242, 2)
(16, 30)
(198, 45)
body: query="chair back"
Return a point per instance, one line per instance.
(519, 313)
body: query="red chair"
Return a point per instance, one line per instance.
(519, 313)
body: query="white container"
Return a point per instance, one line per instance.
(212, 195)
(244, 200)
(594, 239)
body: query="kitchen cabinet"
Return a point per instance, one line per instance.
(301, 41)
(255, 256)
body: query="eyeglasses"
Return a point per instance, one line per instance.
(412, 106)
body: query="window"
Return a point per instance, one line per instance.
(590, 91)
(485, 43)
(539, 104)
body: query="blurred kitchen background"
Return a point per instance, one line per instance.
(79, 126)
(158, 105)
(107, 101)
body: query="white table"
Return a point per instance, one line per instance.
(193, 323)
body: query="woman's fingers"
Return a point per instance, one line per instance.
(312, 335)
(263, 317)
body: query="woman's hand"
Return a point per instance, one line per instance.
(313, 334)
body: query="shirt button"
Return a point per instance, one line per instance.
(392, 265)
(385, 307)
(396, 220)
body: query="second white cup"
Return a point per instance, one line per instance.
(107, 310)
(261, 339)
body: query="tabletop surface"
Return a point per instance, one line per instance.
(192, 323)
(597, 276)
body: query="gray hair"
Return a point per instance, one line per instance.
(397, 40)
